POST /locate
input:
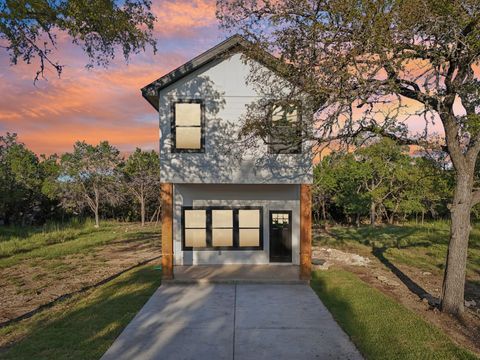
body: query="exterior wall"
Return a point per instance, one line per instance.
(270, 197)
(222, 86)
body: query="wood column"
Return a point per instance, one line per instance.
(166, 194)
(305, 231)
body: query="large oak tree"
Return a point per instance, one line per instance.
(374, 64)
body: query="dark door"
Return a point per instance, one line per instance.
(280, 236)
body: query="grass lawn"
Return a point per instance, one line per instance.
(84, 326)
(380, 327)
(56, 241)
(420, 246)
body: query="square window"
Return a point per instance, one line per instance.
(195, 218)
(249, 237)
(188, 127)
(249, 218)
(222, 218)
(195, 237)
(188, 114)
(222, 237)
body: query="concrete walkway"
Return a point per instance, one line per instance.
(243, 321)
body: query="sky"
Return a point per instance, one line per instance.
(102, 104)
(106, 104)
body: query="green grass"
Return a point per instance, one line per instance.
(422, 246)
(52, 242)
(84, 326)
(379, 326)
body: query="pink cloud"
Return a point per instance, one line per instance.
(101, 104)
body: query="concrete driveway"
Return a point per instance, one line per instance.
(223, 321)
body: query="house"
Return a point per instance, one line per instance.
(225, 202)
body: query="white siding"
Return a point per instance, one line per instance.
(270, 197)
(222, 85)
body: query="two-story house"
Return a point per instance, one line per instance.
(223, 202)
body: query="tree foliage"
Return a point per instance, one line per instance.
(92, 179)
(31, 28)
(23, 196)
(380, 182)
(89, 177)
(141, 177)
(373, 65)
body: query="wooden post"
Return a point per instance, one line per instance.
(166, 190)
(305, 231)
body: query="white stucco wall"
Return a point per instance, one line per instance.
(270, 197)
(222, 84)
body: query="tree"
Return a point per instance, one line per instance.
(364, 60)
(89, 177)
(29, 29)
(142, 179)
(324, 184)
(20, 182)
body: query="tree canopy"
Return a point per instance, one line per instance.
(30, 29)
(374, 65)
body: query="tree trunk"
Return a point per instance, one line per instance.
(390, 219)
(454, 278)
(142, 210)
(373, 211)
(97, 220)
(324, 211)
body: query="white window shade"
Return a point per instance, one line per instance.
(195, 237)
(249, 237)
(249, 218)
(188, 114)
(195, 219)
(222, 218)
(222, 237)
(188, 138)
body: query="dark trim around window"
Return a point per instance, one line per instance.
(202, 126)
(236, 228)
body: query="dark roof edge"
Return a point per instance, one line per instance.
(150, 92)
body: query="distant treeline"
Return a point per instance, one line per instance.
(92, 180)
(378, 183)
(382, 182)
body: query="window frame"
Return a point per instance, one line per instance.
(194, 228)
(236, 228)
(298, 105)
(174, 126)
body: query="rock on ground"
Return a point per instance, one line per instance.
(329, 256)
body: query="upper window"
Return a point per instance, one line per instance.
(285, 133)
(188, 126)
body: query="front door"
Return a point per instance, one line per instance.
(280, 236)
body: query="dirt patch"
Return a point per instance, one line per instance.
(465, 332)
(32, 283)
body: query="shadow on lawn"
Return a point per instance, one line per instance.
(89, 326)
(409, 283)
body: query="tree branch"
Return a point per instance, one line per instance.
(475, 197)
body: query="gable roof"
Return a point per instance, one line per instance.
(234, 43)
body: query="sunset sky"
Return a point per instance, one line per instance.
(102, 104)
(106, 104)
